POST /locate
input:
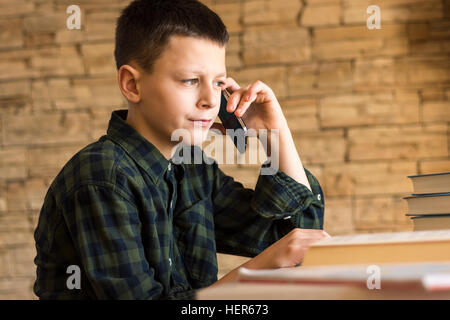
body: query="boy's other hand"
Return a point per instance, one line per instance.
(288, 251)
(256, 104)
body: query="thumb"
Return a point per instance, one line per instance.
(218, 126)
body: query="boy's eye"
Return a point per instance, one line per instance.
(190, 81)
(220, 83)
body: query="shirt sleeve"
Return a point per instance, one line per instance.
(105, 228)
(248, 221)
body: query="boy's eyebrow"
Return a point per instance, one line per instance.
(222, 74)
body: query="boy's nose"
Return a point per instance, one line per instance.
(208, 98)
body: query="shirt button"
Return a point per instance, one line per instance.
(170, 262)
(288, 217)
(319, 197)
(169, 166)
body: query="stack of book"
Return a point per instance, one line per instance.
(402, 265)
(429, 205)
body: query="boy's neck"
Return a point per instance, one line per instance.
(160, 143)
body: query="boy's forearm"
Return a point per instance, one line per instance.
(288, 158)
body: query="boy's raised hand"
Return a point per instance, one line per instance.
(256, 104)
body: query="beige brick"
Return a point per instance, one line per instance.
(11, 35)
(100, 121)
(97, 5)
(322, 15)
(13, 89)
(57, 62)
(230, 13)
(434, 166)
(314, 78)
(409, 142)
(320, 2)
(50, 157)
(430, 47)
(359, 32)
(302, 79)
(65, 96)
(233, 52)
(40, 95)
(15, 8)
(3, 202)
(398, 12)
(324, 147)
(412, 72)
(439, 29)
(375, 212)
(270, 11)
(99, 58)
(47, 22)
(5, 263)
(12, 163)
(16, 288)
(301, 114)
(432, 95)
(14, 221)
(376, 178)
(22, 259)
(345, 49)
(369, 109)
(338, 216)
(97, 93)
(16, 238)
(59, 128)
(418, 31)
(28, 195)
(66, 36)
(436, 111)
(20, 70)
(98, 25)
(342, 49)
(276, 45)
(334, 76)
(373, 73)
(272, 76)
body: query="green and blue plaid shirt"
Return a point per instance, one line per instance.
(141, 227)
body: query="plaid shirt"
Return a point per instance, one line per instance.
(140, 227)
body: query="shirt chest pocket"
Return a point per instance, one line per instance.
(194, 232)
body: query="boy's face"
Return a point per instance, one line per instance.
(185, 86)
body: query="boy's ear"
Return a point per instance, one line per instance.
(129, 83)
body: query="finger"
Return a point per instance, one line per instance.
(231, 85)
(234, 99)
(244, 104)
(249, 97)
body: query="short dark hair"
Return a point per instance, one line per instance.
(145, 26)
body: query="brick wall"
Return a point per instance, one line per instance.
(366, 107)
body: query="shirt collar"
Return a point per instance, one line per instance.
(140, 149)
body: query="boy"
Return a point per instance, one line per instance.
(139, 226)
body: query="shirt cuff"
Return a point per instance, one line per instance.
(278, 196)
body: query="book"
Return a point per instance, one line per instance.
(375, 248)
(282, 291)
(431, 222)
(431, 183)
(434, 203)
(430, 276)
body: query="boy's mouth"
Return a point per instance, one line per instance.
(202, 122)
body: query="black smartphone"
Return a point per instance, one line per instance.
(239, 133)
